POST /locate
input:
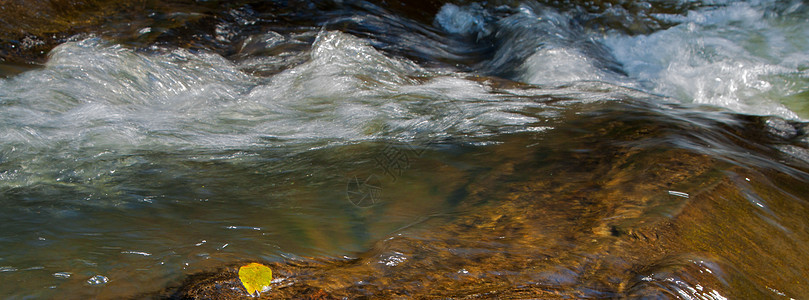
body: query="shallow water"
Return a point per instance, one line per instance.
(514, 149)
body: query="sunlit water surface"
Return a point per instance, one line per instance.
(658, 156)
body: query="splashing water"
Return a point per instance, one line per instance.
(747, 57)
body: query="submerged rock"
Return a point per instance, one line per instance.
(621, 213)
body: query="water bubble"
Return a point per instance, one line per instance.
(98, 280)
(393, 260)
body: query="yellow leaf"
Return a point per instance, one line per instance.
(255, 277)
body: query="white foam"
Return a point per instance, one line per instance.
(461, 20)
(734, 56)
(542, 46)
(99, 95)
(559, 65)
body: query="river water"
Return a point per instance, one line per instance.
(598, 149)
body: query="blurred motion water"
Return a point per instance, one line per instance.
(521, 149)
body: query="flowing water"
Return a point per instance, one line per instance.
(515, 149)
